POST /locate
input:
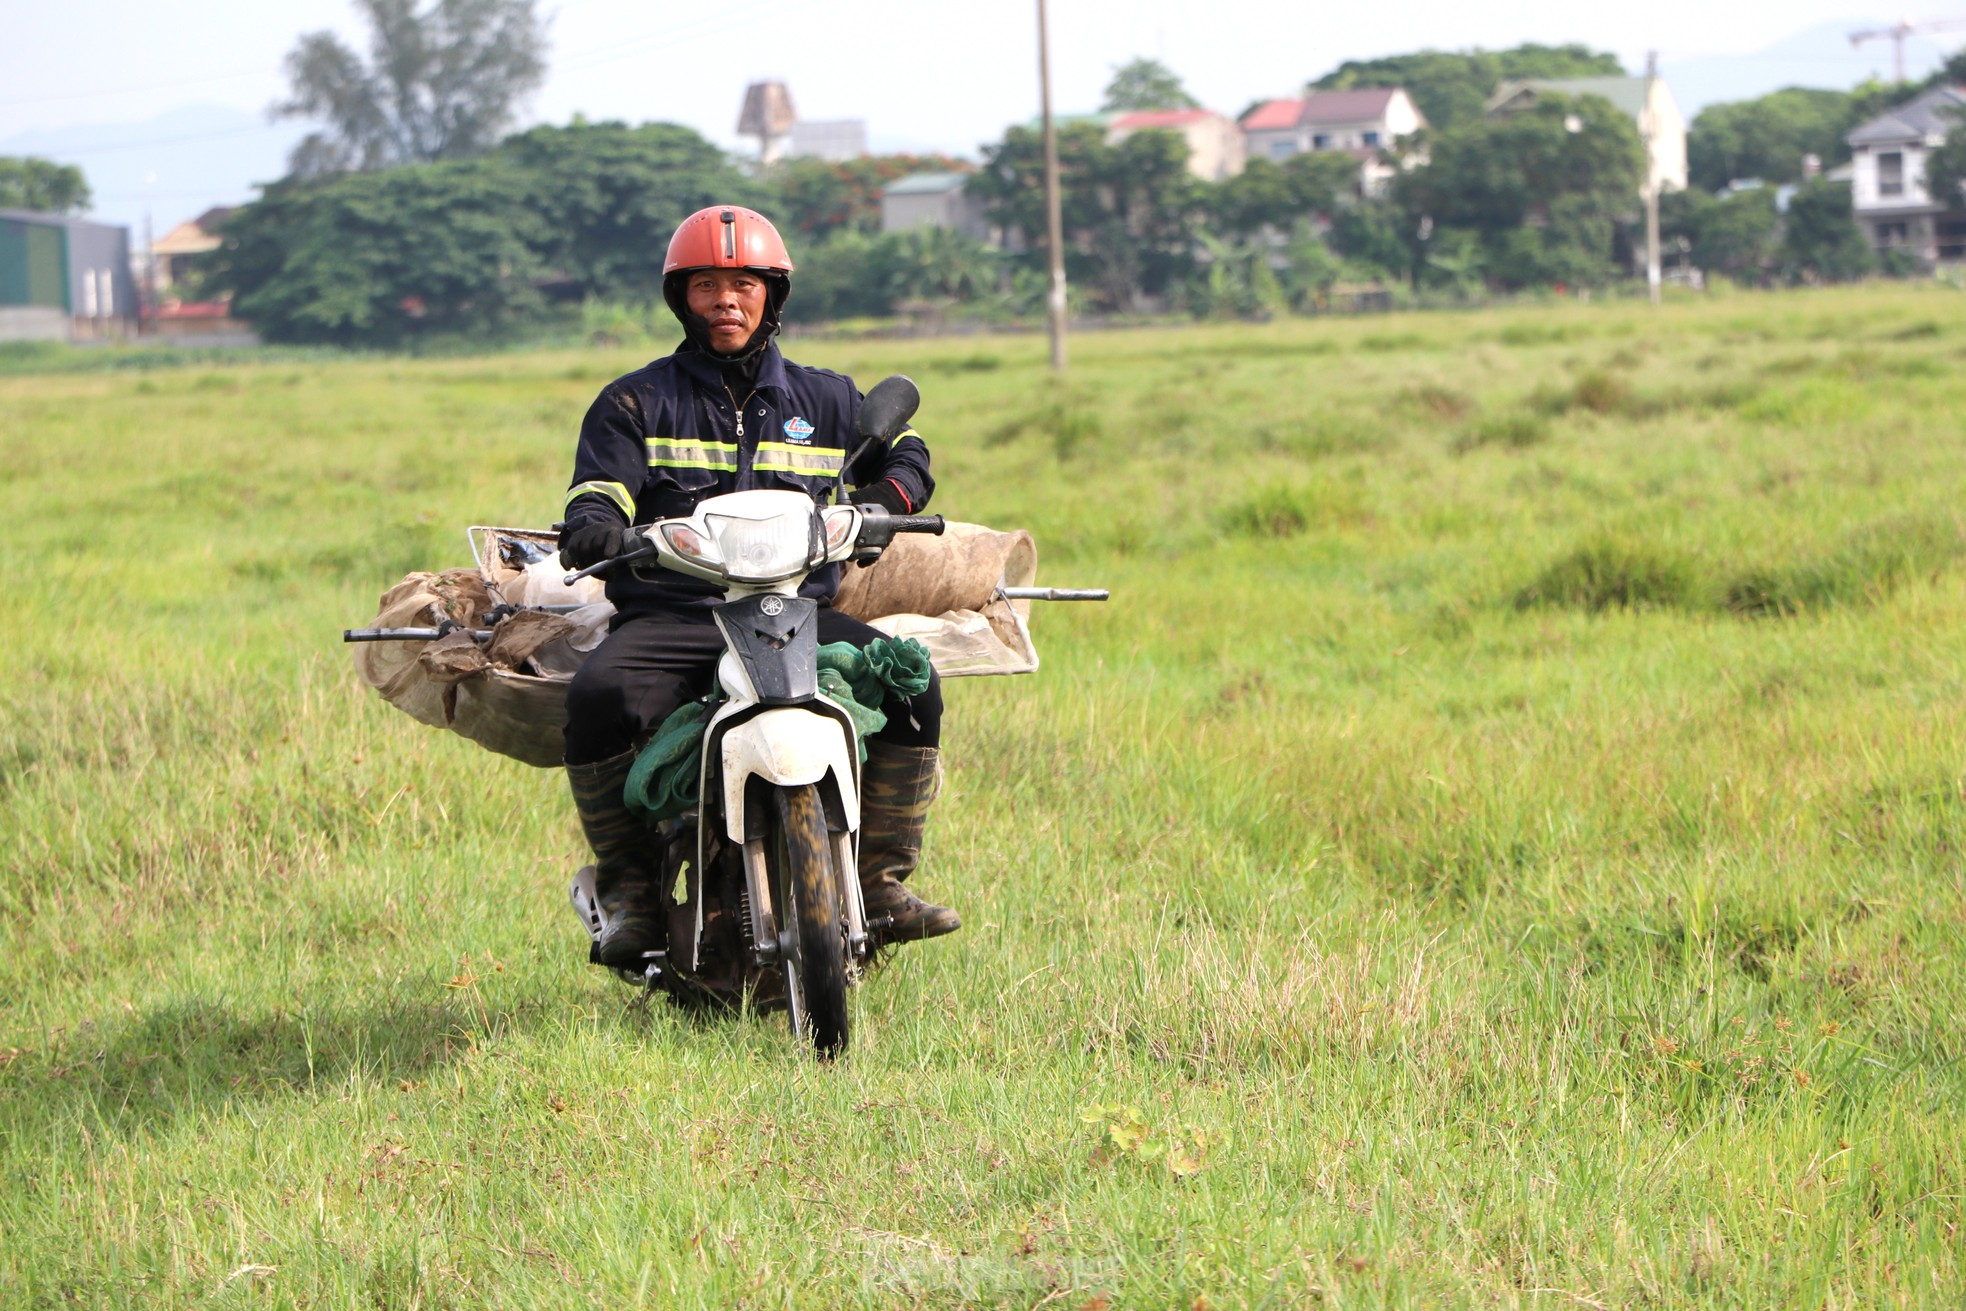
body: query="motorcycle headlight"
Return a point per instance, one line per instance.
(763, 550)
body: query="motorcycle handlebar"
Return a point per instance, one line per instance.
(644, 549)
(917, 523)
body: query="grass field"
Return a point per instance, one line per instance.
(1501, 846)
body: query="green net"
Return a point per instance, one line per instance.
(667, 775)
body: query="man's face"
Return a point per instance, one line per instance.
(732, 300)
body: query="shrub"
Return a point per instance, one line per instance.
(1865, 568)
(1432, 400)
(1516, 429)
(1287, 509)
(1609, 575)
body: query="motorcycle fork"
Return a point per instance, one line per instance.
(758, 887)
(846, 868)
(757, 892)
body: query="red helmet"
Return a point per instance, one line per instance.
(727, 237)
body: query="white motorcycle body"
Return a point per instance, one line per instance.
(774, 730)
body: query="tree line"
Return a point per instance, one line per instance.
(1543, 197)
(411, 212)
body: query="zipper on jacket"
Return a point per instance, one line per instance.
(740, 408)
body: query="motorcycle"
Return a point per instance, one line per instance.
(760, 884)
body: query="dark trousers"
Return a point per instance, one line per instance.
(653, 662)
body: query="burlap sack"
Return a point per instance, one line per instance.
(482, 692)
(944, 592)
(508, 694)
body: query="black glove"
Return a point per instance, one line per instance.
(884, 494)
(590, 543)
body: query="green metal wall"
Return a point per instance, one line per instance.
(33, 264)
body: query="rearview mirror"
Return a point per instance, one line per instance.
(888, 407)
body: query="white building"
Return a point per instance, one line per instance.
(833, 140)
(1215, 143)
(1887, 178)
(1360, 123)
(1331, 120)
(938, 200)
(1637, 97)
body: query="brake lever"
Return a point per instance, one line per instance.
(629, 557)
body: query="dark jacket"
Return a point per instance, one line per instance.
(662, 438)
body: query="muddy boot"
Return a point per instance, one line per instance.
(896, 787)
(624, 864)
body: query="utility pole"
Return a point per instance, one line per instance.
(1652, 181)
(1054, 218)
(148, 304)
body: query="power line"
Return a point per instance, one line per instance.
(718, 25)
(157, 141)
(99, 93)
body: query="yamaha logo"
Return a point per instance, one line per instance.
(772, 605)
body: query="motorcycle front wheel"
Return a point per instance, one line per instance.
(813, 945)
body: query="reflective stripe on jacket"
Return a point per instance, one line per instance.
(664, 437)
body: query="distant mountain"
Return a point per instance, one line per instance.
(1820, 56)
(175, 166)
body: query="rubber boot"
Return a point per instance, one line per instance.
(624, 864)
(897, 785)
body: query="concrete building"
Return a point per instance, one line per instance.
(1893, 206)
(172, 254)
(836, 140)
(939, 200)
(1666, 164)
(1371, 119)
(63, 278)
(1361, 124)
(1215, 142)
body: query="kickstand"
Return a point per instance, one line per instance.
(651, 981)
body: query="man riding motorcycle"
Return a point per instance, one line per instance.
(726, 412)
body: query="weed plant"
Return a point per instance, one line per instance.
(1501, 845)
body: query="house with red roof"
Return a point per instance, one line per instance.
(1215, 142)
(1362, 123)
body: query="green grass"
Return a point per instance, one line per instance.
(1500, 846)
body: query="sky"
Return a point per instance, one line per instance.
(112, 82)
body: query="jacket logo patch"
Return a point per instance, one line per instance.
(798, 430)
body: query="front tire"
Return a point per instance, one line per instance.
(807, 911)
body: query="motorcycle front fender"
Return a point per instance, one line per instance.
(787, 747)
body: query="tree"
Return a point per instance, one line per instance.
(1279, 195)
(442, 83)
(1145, 84)
(819, 197)
(1453, 90)
(1945, 167)
(374, 259)
(1129, 208)
(1736, 235)
(604, 198)
(853, 273)
(42, 185)
(1767, 138)
(1544, 187)
(476, 246)
(1822, 242)
(1374, 237)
